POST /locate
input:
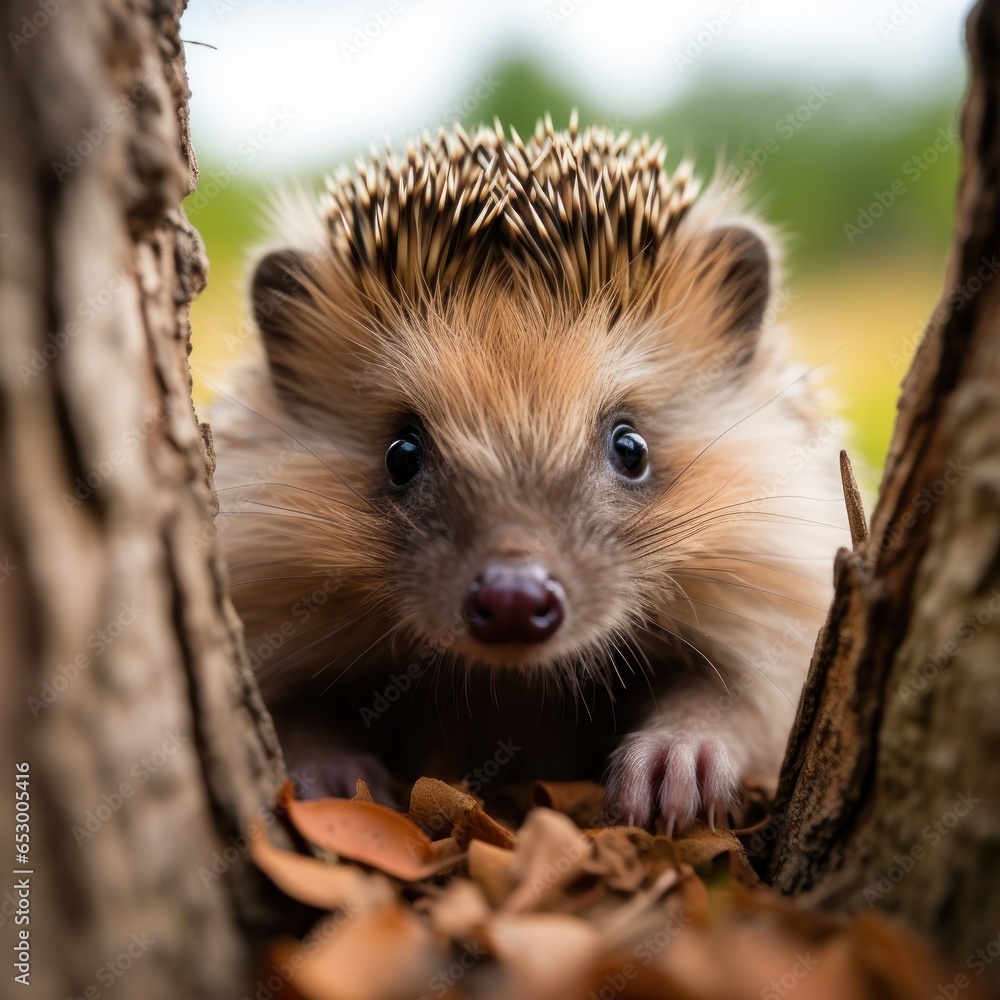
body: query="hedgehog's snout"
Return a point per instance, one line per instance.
(514, 602)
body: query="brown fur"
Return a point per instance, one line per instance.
(712, 574)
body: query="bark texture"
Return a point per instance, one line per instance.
(890, 793)
(126, 689)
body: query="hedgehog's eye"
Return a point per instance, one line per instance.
(628, 452)
(405, 458)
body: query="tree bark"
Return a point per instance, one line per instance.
(126, 695)
(890, 792)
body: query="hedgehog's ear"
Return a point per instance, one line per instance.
(746, 269)
(280, 291)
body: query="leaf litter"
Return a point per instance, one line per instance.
(450, 901)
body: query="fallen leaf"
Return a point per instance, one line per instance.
(539, 948)
(437, 806)
(693, 896)
(443, 809)
(318, 883)
(582, 801)
(618, 857)
(627, 913)
(476, 825)
(461, 910)
(381, 954)
(898, 963)
(701, 847)
(279, 954)
(493, 870)
(447, 848)
(552, 853)
(366, 832)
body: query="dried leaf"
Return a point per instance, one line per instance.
(898, 964)
(582, 801)
(476, 825)
(318, 883)
(461, 911)
(539, 948)
(694, 897)
(493, 869)
(701, 847)
(810, 926)
(552, 853)
(279, 954)
(618, 857)
(622, 917)
(624, 976)
(381, 954)
(437, 806)
(447, 848)
(367, 832)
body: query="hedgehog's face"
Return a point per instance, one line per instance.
(512, 443)
(507, 532)
(506, 461)
(510, 570)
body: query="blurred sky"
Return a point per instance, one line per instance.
(341, 86)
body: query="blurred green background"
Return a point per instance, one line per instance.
(861, 183)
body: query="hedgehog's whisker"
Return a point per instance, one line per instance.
(680, 590)
(274, 579)
(783, 557)
(768, 593)
(310, 515)
(639, 658)
(736, 652)
(385, 635)
(695, 649)
(284, 662)
(658, 541)
(641, 666)
(613, 660)
(300, 489)
(336, 475)
(773, 567)
(748, 620)
(680, 475)
(298, 515)
(772, 593)
(650, 512)
(297, 512)
(684, 518)
(568, 676)
(349, 618)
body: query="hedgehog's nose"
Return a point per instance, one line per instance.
(513, 602)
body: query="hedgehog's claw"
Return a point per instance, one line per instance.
(676, 776)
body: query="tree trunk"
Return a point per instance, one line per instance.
(890, 793)
(132, 719)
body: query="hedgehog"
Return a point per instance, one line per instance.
(523, 482)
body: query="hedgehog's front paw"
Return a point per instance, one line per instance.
(677, 776)
(335, 772)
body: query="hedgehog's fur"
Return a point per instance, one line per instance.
(513, 298)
